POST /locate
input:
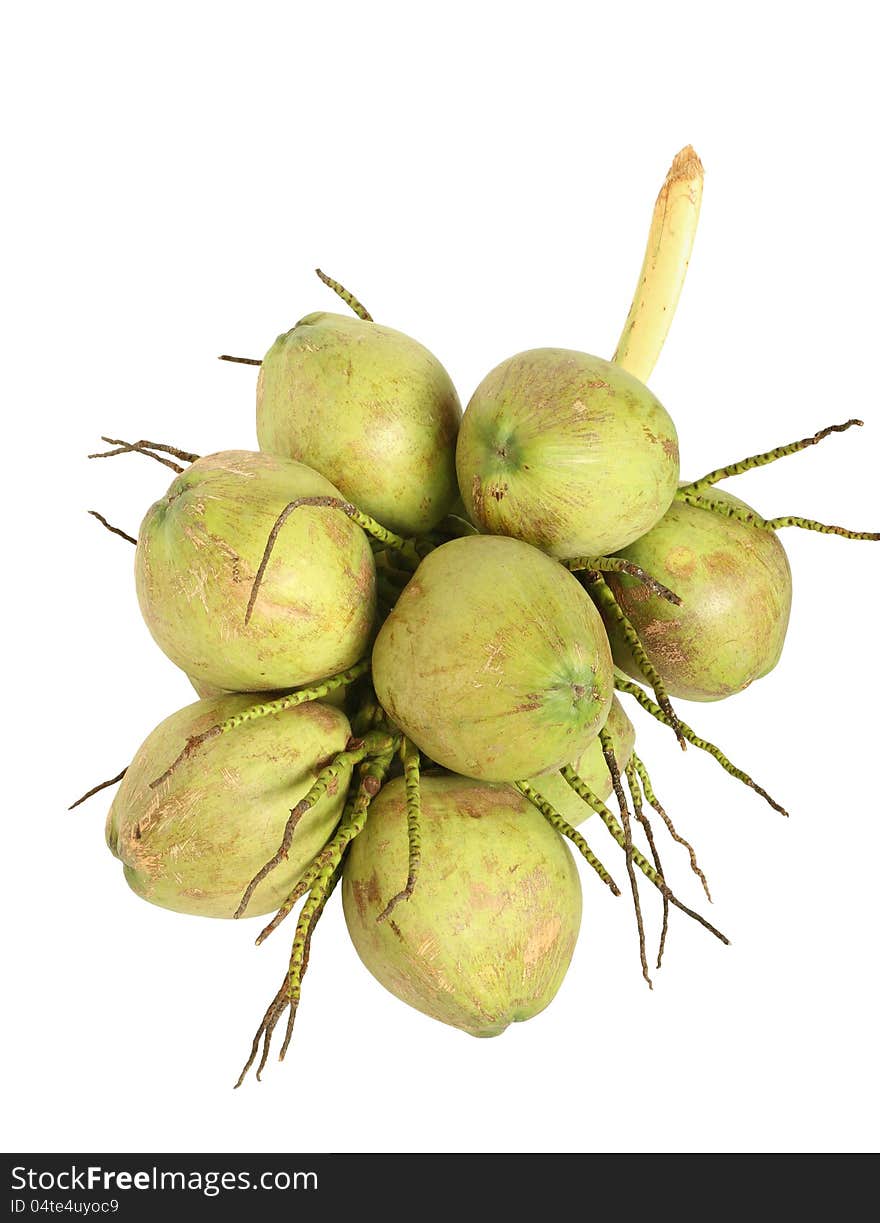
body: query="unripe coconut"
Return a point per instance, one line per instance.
(591, 768)
(369, 408)
(198, 551)
(494, 661)
(194, 843)
(734, 582)
(566, 451)
(488, 933)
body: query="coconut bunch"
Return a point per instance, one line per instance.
(409, 630)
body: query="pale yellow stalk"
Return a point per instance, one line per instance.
(670, 240)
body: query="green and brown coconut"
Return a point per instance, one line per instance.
(494, 661)
(193, 842)
(199, 549)
(567, 452)
(734, 582)
(368, 407)
(488, 934)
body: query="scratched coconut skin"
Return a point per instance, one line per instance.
(369, 408)
(591, 768)
(198, 552)
(566, 451)
(734, 581)
(194, 843)
(494, 661)
(487, 936)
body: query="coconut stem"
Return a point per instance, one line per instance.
(664, 266)
(186, 456)
(635, 790)
(313, 870)
(750, 518)
(411, 759)
(653, 801)
(611, 761)
(289, 994)
(349, 827)
(264, 1033)
(113, 530)
(96, 789)
(552, 816)
(623, 685)
(148, 449)
(605, 596)
(616, 564)
(107, 454)
(355, 751)
(349, 298)
(367, 524)
(263, 710)
(810, 524)
(769, 456)
(372, 775)
(326, 891)
(583, 791)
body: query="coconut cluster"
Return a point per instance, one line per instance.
(407, 629)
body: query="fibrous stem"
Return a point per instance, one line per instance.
(265, 709)
(624, 685)
(553, 817)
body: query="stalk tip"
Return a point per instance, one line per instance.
(685, 164)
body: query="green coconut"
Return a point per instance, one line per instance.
(494, 661)
(567, 452)
(590, 766)
(194, 843)
(488, 933)
(734, 582)
(198, 551)
(369, 408)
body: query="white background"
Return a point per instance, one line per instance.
(482, 177)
